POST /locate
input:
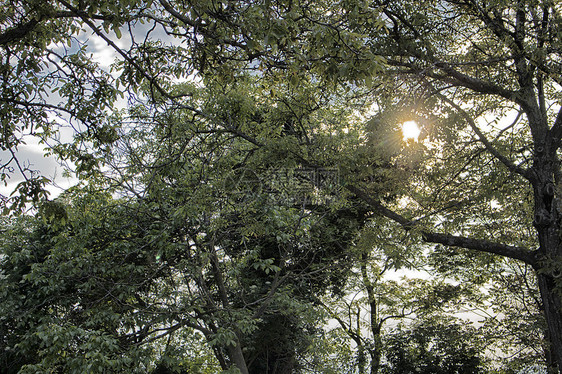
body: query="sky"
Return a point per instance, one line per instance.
(32, 154)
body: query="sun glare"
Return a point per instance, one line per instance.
(410, 130)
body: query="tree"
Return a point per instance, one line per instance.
(66, 307)
(271, 235)
(380, 310)
(464, 86)
(53, 90)
(510, 321)
(235, 258)
(437, 347)
(516, 302)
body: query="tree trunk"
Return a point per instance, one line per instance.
(234, 351)
(236, 357)
(547, 224)
(552, 306)
(361, 359)
(376, 353)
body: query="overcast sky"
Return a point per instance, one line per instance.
(32, 154)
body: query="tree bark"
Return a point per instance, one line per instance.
(236, 356)
(547, 223)
(376, 350)
(552, 308)
(234, 351)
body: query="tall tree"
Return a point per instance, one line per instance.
(213, 235)
(472, 64)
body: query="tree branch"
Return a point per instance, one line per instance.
(198, 26)
(527, 174)
(457, 78)
(481, 245)
(18, 32)
(359, 340)
(22, 30)
(126, 57)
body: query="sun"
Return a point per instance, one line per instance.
(410, 130)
